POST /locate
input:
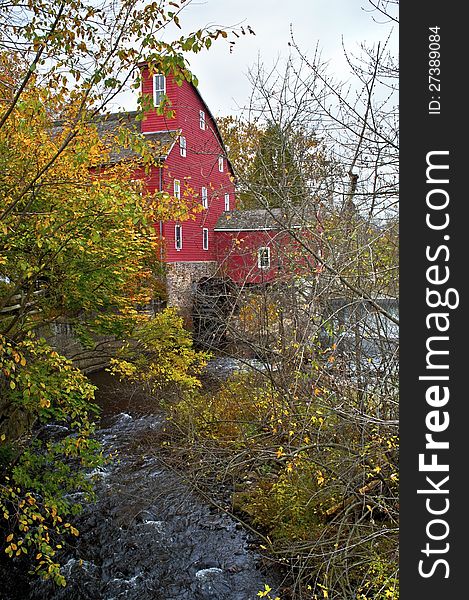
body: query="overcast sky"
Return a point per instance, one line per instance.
(222, 75)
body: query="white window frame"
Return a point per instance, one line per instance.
(159, 90)
(204, 195)
(183, 145)
(260, 253)
(205, 238)
(177, 189)
(137, 185)
(227, 202)
(178, 245)
(202, 119)
(220, 163)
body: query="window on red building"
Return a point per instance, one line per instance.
(159, 89)
(263, 258)
(202, 119)
(205, 238)
(183, 145)
(177, 189)
(178, 237)
(204, 197)
(137, 185)
(220, 164)
(227, 202)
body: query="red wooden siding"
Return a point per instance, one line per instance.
(197, 169)
(237, 255)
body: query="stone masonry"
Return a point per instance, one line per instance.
(180, 280)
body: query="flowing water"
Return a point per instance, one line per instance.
(148, 536)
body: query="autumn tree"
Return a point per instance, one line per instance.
(76, 241)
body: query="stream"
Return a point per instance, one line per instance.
(148, 536)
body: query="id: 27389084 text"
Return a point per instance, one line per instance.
(434, 70)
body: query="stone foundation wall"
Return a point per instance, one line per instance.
(180, 280)
(61, 337)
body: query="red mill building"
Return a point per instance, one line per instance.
(242, 245)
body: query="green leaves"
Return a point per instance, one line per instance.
(36, 494)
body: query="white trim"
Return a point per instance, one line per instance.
(204, 238)
(261, 228)
(259, 265)
(161, 131)
(192, 262)
(156, 104)
(178, 248)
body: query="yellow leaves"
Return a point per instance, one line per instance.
(320, 477)
(324, 589)
(280, 452)
(71, 529)
(123, 368)
(263, 593)
(9, 537)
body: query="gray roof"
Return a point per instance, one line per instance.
(263, 219)
(108, 126)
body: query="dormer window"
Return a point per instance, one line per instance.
(220, 164)
(202, 119)
(204, 197)
(159, 89)
(183, 145)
